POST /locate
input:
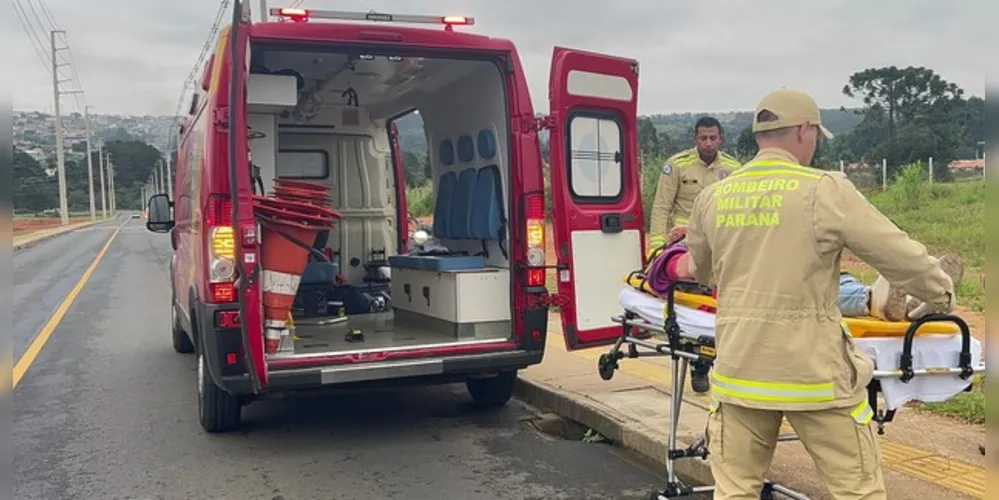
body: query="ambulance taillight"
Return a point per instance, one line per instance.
(535, 237)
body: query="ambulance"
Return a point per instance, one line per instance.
(316, 95)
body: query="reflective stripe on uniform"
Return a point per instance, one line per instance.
(682, 220)
(712, 404)
(684, 160)
(846, 328)
(755, 171)
(863, 413)
(773, 392)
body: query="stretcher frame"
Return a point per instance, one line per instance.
(684, 349)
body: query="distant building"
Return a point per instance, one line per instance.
(967, 168)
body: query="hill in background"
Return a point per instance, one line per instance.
(33, 130)
(678, 126)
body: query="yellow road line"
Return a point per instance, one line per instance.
(43, 336)
(920, 464)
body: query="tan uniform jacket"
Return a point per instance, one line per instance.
(770, 236)
(684, 176)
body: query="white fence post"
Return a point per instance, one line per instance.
(884, 174)
(842, 167)
(931, 170)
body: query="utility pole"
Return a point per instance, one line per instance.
(57, 92)
(104, 194)
(114, 206)
(60, 158)
(90, 164)
(161, 170)
(263, 11)
(169, 176)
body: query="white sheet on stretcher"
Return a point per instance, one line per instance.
(927, 351)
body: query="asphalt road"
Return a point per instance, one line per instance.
(107, 411)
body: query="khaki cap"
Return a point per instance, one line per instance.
(792, 108)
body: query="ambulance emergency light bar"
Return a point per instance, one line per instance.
(303, 15)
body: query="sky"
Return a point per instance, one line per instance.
(132, 56)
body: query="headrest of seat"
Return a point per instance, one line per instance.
(446, 152)
(487, 144)
(466, 148)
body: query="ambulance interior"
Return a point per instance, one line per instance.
(325, 118)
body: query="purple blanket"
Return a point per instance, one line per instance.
(658, 280)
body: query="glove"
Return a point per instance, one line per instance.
(942, 306)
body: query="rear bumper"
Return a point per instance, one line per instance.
(393, 373)
(232, 378)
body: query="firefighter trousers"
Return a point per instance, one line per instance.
(742, 441)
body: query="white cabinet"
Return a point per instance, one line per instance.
(474, 296)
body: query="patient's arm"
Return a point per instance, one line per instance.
(678, 269)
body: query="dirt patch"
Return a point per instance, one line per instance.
(25, 226)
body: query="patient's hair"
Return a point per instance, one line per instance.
(768, 116)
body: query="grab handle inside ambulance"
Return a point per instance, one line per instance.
(905, 364)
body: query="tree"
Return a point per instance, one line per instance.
(905, 94)
(745, 146)
(651, 143)
(414, 169)
(134, 161)
(33, 190)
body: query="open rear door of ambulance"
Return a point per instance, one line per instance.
(241, 195)
(595, 187)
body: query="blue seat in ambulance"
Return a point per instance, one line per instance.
(452, 221)
(487, 210)
(460, 220)
(442, 205)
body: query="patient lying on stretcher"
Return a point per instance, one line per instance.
(881, 300)
(856, 299)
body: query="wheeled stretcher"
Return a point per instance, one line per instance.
(931, 360)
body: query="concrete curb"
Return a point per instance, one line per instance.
(612, 424)
(41, 239)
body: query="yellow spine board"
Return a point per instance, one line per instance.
(859, 327)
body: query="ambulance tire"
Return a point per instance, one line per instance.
(488, 393)
(218, 411)
(181, 340)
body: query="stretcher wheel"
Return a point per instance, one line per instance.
(606, 366)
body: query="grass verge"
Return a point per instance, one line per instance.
(968, 406)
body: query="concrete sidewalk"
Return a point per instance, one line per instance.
(35, 237)
(924, 456)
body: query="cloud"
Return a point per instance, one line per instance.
(133, 56)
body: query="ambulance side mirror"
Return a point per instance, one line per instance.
(160, 214)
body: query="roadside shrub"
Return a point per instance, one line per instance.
(910, 190)
(420, 199)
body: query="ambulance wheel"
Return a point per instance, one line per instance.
(181, 340)
(218, 411)
(606, 366)
(492, 392)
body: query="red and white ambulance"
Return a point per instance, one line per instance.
(320, 93)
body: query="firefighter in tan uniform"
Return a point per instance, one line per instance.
(770, 236)
(685, 175)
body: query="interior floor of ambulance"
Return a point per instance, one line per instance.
(333, 130)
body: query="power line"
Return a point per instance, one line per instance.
(191, 79)
(33, 37)
(47, 14)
